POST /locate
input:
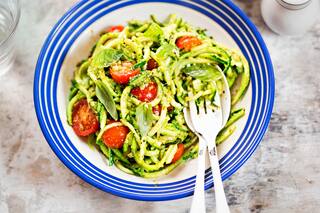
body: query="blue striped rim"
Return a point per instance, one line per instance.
(77, 163)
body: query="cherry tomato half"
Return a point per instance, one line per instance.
(121, 72)
(179, 153)
(84, 120)
(114, 137)
(147, 92)
(152, 64)
(187, 42)
(117, 28)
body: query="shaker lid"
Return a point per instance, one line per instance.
(294, 4)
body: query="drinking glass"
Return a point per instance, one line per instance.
(9, 18)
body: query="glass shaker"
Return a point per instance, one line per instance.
(290, 16)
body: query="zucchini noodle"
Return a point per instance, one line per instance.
(150, 147)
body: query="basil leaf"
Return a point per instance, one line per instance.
(154, 32)
(105, 57)
(105, 97)
(203, 72)
(144, 118)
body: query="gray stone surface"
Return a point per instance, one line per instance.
(283, 175)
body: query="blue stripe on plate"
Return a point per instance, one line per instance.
(73, 159)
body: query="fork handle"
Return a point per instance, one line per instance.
(198, 202)
(221, 201)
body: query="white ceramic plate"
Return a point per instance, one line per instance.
(71, 40)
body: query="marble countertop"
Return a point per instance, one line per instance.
(283, 175)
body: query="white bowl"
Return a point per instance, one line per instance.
(71, 40)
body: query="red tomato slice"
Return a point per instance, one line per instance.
(147, 93)
(117, 28)
(121, 72)
(179, 153)
(152, 64)
(84, 120)
(114, 137)
(187, 42)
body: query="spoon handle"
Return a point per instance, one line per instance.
(198, 201)
(221, 201)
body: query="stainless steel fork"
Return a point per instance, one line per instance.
(206, 124)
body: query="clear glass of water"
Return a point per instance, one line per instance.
(9, 19)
